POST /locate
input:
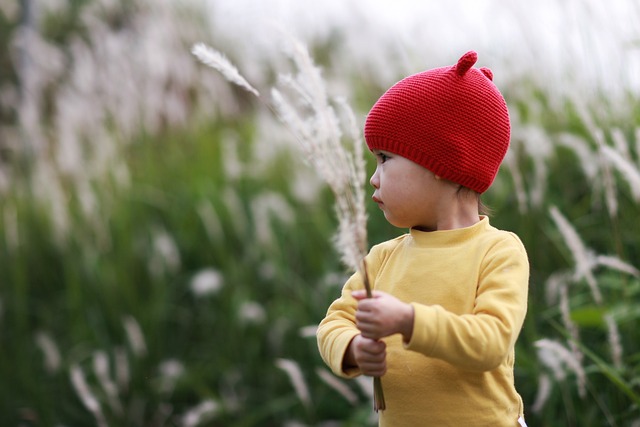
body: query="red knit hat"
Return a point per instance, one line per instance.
(451, 120)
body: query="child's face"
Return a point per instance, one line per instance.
(409, 194)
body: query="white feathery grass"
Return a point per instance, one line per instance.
(606, 175)
(292, 369)
(584, 114)
(309, 115)
(537, 192)
(201, 413)
(537, 145)
(319, 133)
(82, 102)
(289, 116)
(10, 10)
(559, 284)
(232, 165)
(52, 359)
(560, 361)
(511, 162)
(81, 387)
(165, 254)
(304, 107)
(544, 392)
(101, 370)
(617, 264)
(265, 208)
(308, 331)
(275, 141)
(318, 130)
(218, 61)
(585, 154)
(123, 375)
(569, 324)
(581, 254)
(352, 233)
(553, 285)
(615, 342)
(205, 282)
(135, 336)
(338, 385)
(620, 143)
(339, 161)
(170, 371)
(252, 312)
(626, 168)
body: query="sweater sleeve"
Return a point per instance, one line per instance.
(482, 339)
(338, 328)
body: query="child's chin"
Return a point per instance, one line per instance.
(396, 224)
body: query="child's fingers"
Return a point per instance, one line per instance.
(371, 358)
(373, 369)
(373, 347)
(378, 347)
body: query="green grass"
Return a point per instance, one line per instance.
(80, 288)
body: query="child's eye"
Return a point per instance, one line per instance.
(382, 157)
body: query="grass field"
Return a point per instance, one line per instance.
(165, 252)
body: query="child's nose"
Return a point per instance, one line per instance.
(375, 180)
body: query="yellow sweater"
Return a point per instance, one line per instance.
(469, 290)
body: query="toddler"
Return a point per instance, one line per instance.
(450, 295)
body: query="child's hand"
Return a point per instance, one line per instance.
(368, 355)
(383, 315)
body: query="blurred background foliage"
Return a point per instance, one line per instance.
(165, 254)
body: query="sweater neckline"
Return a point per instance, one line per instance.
(448, 237)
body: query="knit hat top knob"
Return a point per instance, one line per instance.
(465, 62)
(451, 120)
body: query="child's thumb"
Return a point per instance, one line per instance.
(359, 294)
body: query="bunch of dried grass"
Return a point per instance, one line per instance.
(303, 106)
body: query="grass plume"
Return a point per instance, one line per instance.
(307, 111)
(218, 61)
(294, 373)
(86, 396)
(560, 361)
(303, 106)
(339, 161)
(582, 255)
(627, 168)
